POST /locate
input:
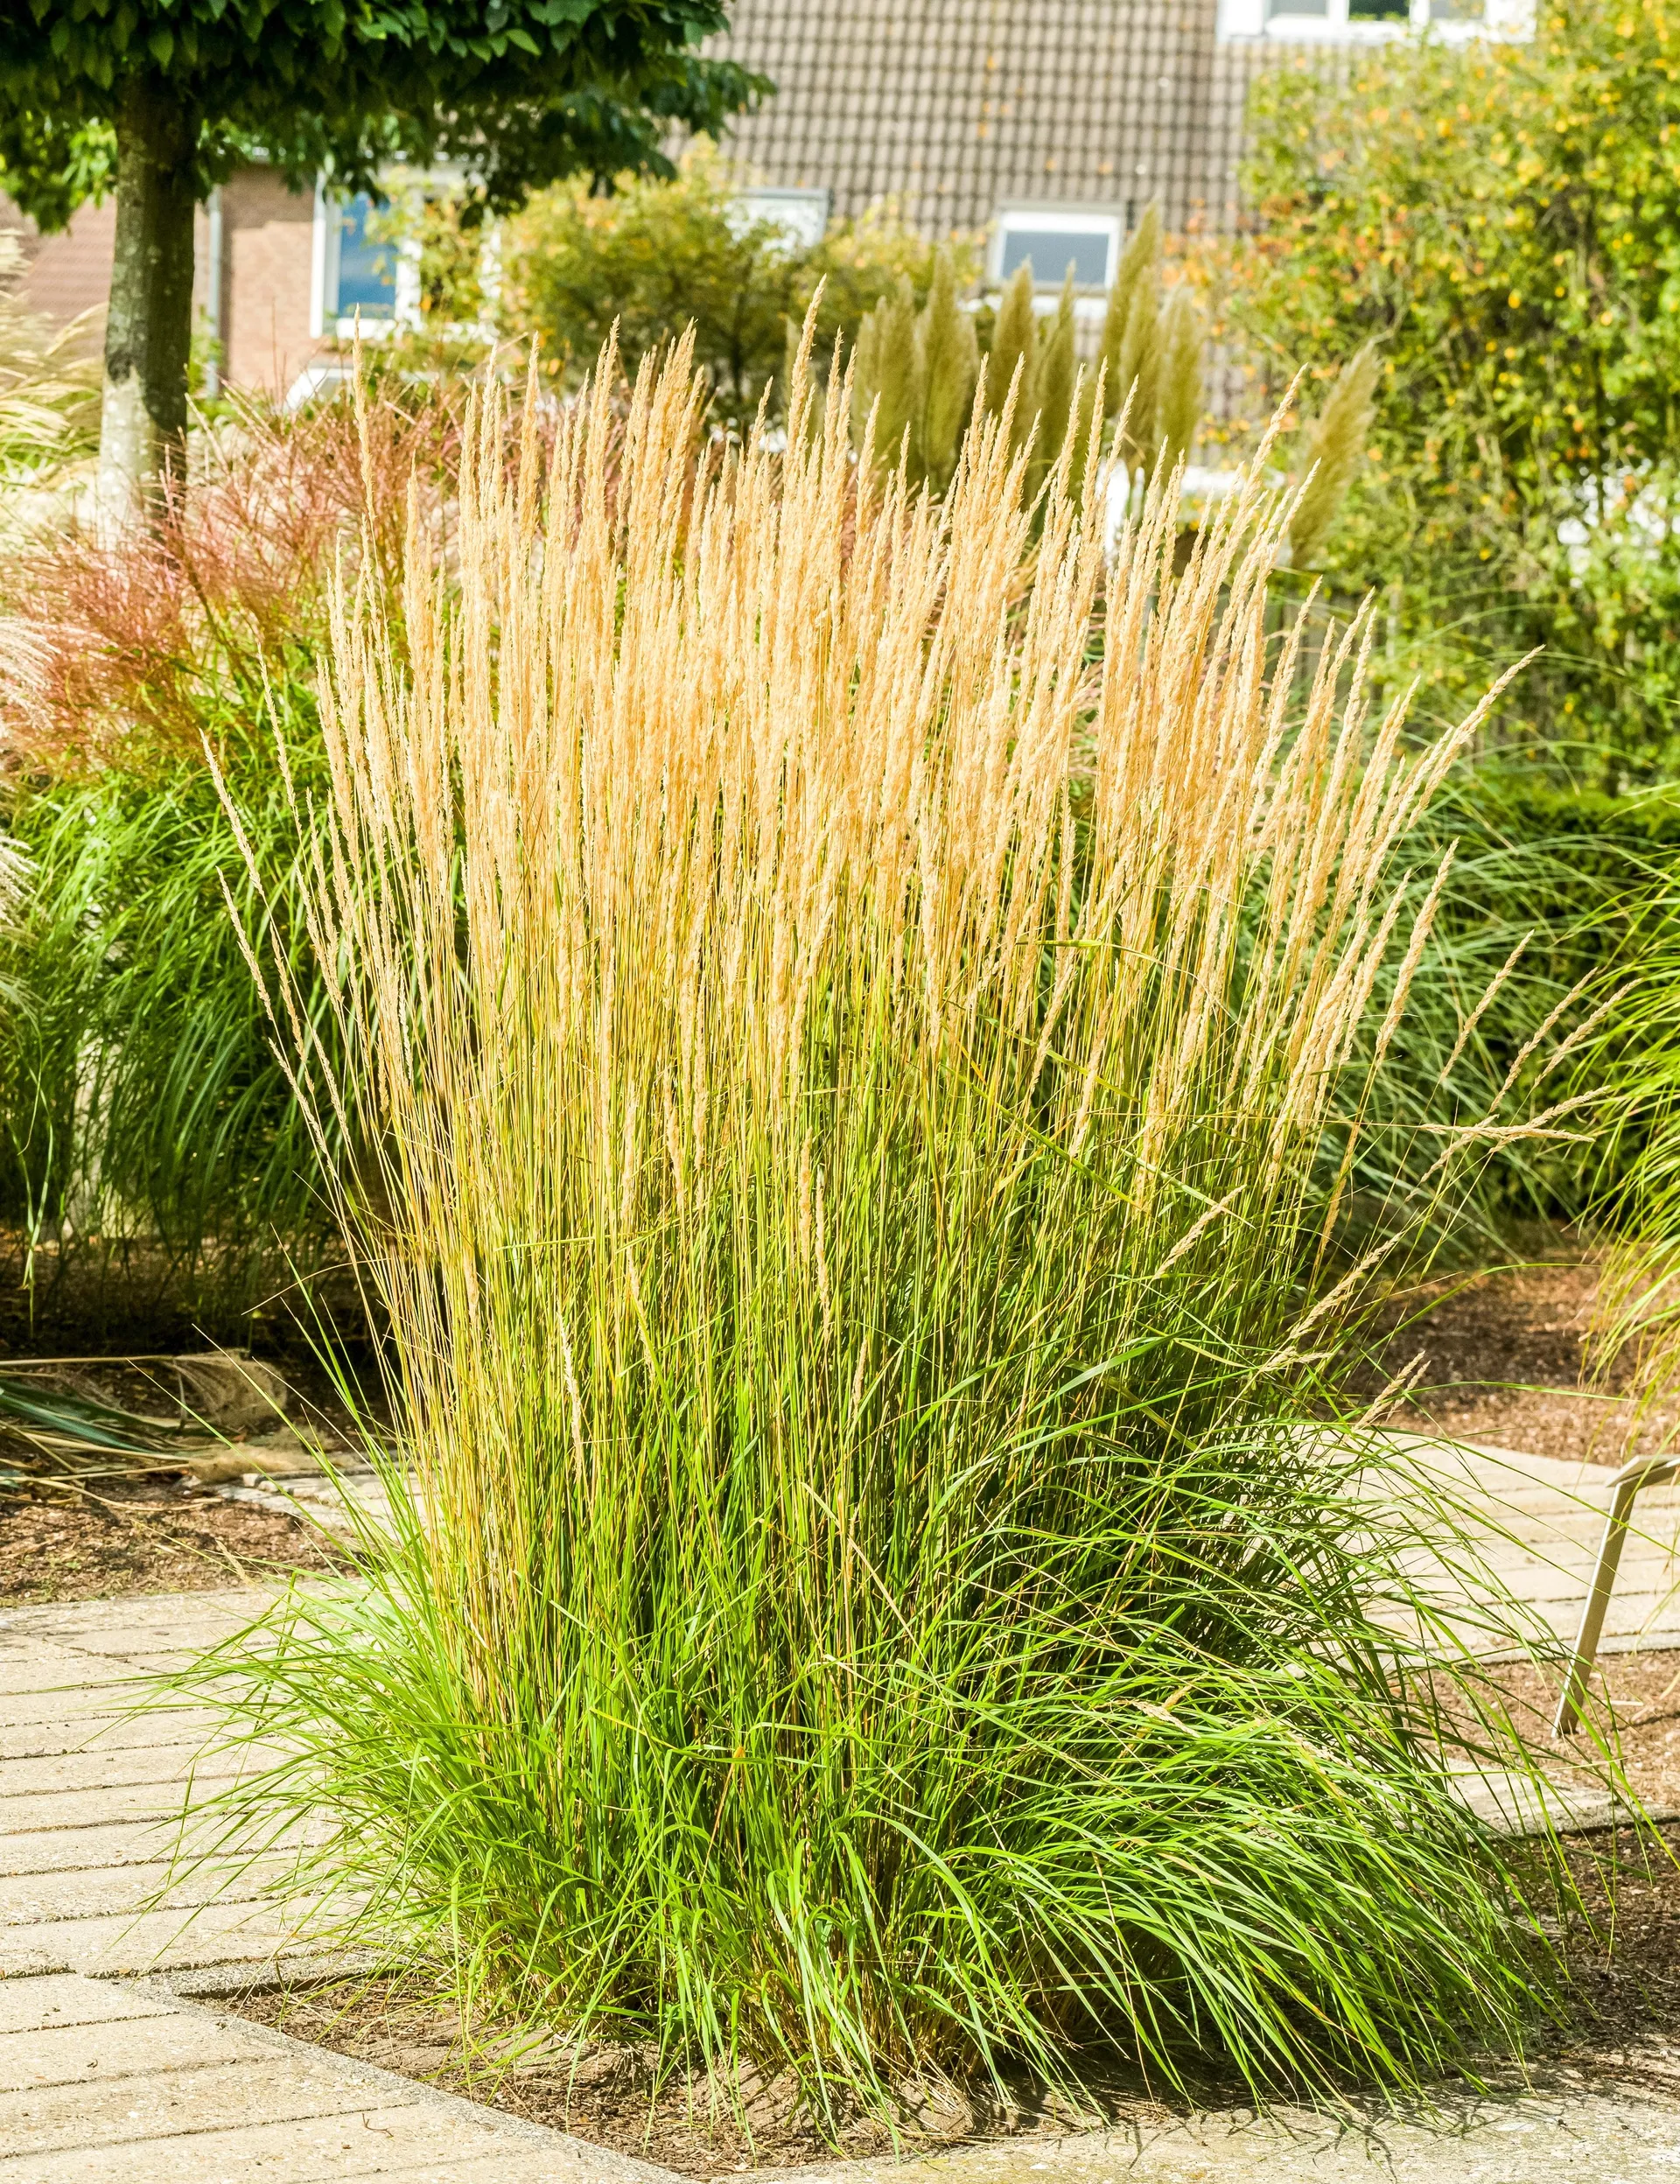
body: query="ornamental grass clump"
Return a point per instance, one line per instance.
(143, 1125)
(841, 1074)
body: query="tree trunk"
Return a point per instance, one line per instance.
(148, 328)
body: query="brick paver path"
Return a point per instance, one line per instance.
(1541, 1521)
(104, 2080)
(109, 2077)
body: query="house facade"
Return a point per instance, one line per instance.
(1055, 118)
(1044, 125)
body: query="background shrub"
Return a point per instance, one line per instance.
(1577, 881)
(141, 1107)
(144, 1113)
(655, 256)
(1500, 218)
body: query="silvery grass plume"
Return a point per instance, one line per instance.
(16, 869)
(846, 1003)
(49, 380)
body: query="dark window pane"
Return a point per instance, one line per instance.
(366, 267)
(1051, 251)
(1379, 11)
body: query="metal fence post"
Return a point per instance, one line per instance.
(1644, 1471)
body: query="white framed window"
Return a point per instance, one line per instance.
(367, 274)
(803, 214)
(359, 277)
(1354, 21)
(1051, 238)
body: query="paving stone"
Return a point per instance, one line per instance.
(24, 1735)
(108, 1661)
(119, 1842)
(107, 1704)
(415, 2142)
(321, 1502)
(41, 1899)
(1537, 1522)
(68, 1998)
(107, 1847)
(164, 2104)
(152, 1941)
(28, 1959)
(580, 2160)
(1596, 2139)
(1516, 1804)
(98, 1803)
(97, 1769)
(32, 1667)
(160, 1618)
(28, 1662)
(85, 2055)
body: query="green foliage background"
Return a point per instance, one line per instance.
(520, 91)
(653, 254)
(141, 1103)
(1502, 220)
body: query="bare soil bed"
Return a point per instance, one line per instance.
(1508, 1366)
(1507, 1362)
(79, 1520)
(1633, 1711)
(1624, 1964)
(611, 2095)
(1620, 1942)
(61, 1541)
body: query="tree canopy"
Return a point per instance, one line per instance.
(518, 91)
(165, 97)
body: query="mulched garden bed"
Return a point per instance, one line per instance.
(1508, 1363)
(59, 1541)
(610, 2096)
(1508, 1366)
(1623, 2016)
(86, 1521)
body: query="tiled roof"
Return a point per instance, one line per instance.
(955, 106)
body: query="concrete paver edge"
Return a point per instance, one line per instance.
(187, 1991)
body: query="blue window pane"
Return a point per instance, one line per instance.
(366, 267)
(1052, 251)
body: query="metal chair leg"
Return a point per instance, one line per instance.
(1645, 1470)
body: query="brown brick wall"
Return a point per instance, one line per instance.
(269, 241)
(69, 273)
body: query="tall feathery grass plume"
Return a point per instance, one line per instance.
(840, 1073)
(1636, 1049)
(1335, 448)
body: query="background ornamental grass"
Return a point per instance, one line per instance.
(841, 1003)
